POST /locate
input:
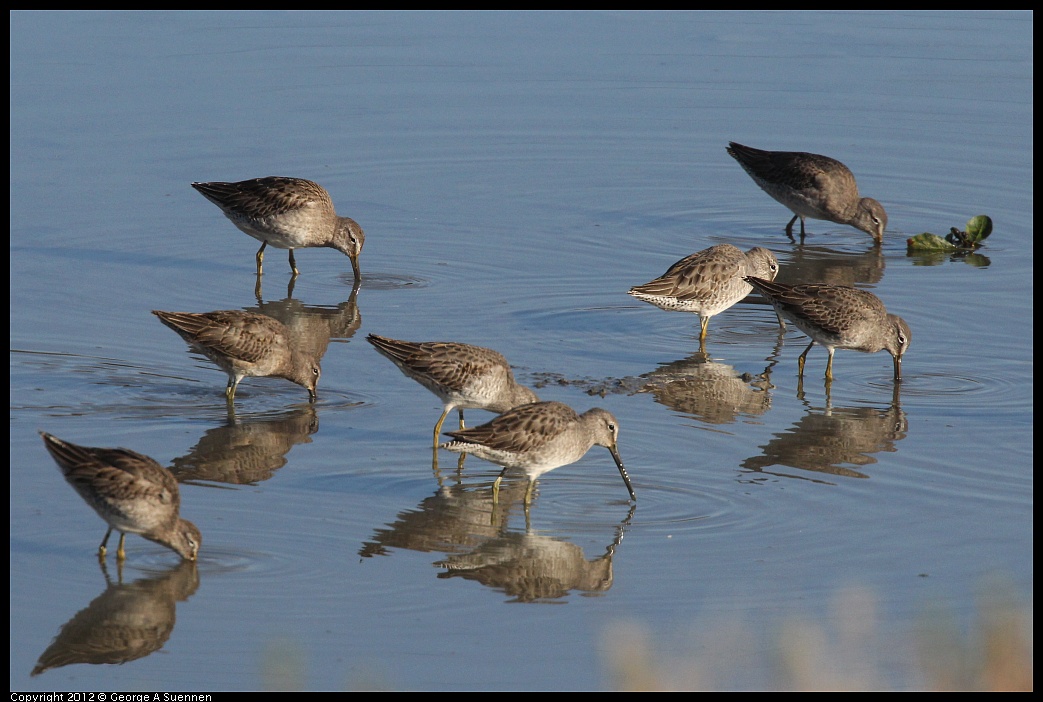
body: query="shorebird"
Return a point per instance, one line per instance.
(131, 492)
(245, 344)
(708, 282)
(839, 317)
(461, 375)
(288, 213)
(813, 186)
(540, 437)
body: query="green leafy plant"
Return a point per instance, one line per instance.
(978, 230)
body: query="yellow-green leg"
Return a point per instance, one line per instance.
(441, 420)
(260, 256)
(121, 555)
(496, 486)
(293, 265)
(438, 426)
(803, 358)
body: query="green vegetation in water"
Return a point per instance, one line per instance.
(978, 230)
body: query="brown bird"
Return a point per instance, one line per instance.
(708, 282)
(246, 344)
(540, 437)
(461, 375)
(288, 213)
(131, 492)
(813, 186)
(839, 317)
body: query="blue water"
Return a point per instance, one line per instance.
(515, 174)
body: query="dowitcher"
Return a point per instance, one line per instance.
(245, 344)
(540, 437)
(461, 375)
(839, 317)
(813, 186)
(131, 492)
(288, 213)
(709, 281)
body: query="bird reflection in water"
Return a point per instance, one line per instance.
(531, 567)
(834, 440)
(247, 450)
(713, 392)
(125, 622)
(314, 326)
(462, 522)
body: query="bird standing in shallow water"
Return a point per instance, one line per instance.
(461, 375)
(839, 317)
(708, 282)
(813, 186)
(246, 344)
(540, 437)
(288, 213)
(131, 492)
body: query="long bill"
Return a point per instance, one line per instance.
(622, 471)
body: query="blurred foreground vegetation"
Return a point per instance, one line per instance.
(840, 650)
(848, 653)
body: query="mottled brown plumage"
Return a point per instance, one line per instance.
(130, 491)
(708, 282)
(540, 437)
(246, 344)
(461, 375)
(813, 186)
(288, 213)
(839, 317)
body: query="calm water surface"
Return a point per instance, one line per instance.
(515, 174)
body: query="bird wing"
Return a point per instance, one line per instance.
(522, 429)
